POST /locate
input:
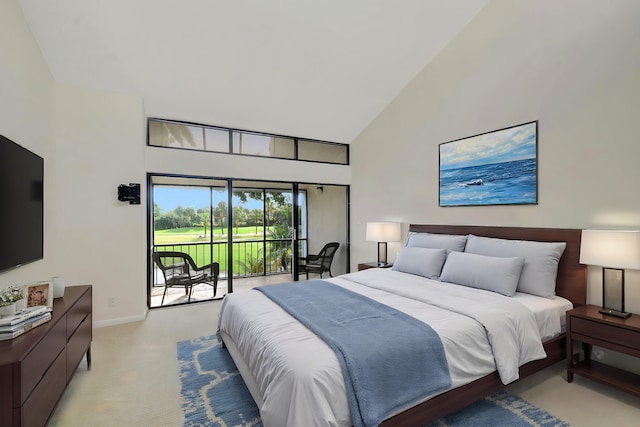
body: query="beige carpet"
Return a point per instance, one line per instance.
(134, 379)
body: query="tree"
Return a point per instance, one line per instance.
(278, 197)
(240, 215)
(280, 248)
(256, 217)
(220, 212)
(268, 212)
(204, 218)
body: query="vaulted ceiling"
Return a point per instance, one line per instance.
(320, 69)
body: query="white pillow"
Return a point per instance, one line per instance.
(420, 261)
(496, 274)
(436, 241)
(540, 261)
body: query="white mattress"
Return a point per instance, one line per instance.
(295, 377)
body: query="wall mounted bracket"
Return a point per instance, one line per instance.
(130, 193)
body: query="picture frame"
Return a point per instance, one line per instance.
(499, 167)
(39, 294)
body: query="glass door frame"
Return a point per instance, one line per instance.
(296, 248)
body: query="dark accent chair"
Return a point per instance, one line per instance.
(319, 263)
(179, 270)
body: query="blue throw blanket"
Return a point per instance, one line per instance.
(389, 359)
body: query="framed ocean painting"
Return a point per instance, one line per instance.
(492, 168)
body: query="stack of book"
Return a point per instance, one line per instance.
(23, 321)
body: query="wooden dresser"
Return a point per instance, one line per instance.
(36, 367)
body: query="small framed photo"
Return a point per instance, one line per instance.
(39, 294)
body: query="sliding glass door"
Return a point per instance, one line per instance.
(255, 230)
(189, 216)
(263, 233)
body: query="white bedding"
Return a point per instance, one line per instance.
(549, 313)
(295, 377)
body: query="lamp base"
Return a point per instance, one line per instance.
(614, 313)
(382, 253)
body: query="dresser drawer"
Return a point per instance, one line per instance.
(36, 363)
(39, 406)
(78, 313)
(607, 333)
(78, 345)
(35, 367)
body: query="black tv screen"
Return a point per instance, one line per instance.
(21, 205)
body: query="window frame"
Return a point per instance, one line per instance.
(231, 132)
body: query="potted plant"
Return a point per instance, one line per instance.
(8, 298)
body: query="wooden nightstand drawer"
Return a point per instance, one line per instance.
(608, 333)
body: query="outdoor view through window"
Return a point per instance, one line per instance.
(194, 220)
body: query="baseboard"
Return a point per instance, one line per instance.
(120, 320)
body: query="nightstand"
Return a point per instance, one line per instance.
(365, 265)
(586, 325)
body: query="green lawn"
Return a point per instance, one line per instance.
(197, 234)
(246, 256)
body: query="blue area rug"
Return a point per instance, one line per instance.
(213, 394)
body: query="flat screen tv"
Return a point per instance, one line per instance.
(21, 205)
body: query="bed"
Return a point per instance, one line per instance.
(295, 378)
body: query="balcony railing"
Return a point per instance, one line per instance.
(250, 257)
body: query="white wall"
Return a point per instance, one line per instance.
(572, 65)
(92, 141)
(196, 163)
(27, 116)
(327, 222)
(101, 143)
(100, 240)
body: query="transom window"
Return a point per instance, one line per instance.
(191, 136)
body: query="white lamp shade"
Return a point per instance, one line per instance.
(611, 249)
(384, 232)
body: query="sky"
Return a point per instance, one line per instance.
(516, 143)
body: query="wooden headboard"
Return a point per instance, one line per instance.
(572, 276)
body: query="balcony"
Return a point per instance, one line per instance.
(255, 263)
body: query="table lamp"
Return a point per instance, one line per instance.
(383, 232)
(613, 251)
